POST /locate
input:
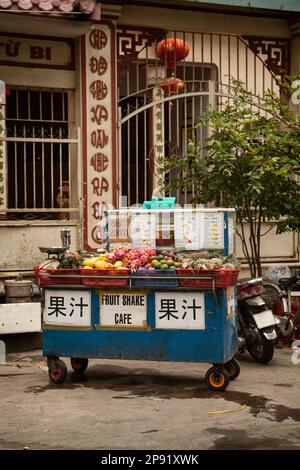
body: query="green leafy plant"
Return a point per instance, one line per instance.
(251, 163)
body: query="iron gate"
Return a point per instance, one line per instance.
(153, 123)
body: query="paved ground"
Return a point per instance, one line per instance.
(149, 405)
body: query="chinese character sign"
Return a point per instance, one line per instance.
(72, 308)
(185, 311)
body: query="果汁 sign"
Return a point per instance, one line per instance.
(180, 310)
(123, 309)
(68, 308)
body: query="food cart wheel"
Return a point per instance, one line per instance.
(217, 379)
(79, 364)
(59, 373)
(233, 368)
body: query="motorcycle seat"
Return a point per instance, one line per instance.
(286, 282)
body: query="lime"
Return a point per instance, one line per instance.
(164, 266)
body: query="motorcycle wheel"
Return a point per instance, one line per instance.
(262, 349)
(272, 296)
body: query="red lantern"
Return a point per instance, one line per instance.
(172, 50)
(172, 85)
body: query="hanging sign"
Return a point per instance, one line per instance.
(189, 230)
(231, 235)
(123, 309)
(213, 231)
(142, 230)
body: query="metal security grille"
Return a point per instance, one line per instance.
(41, 154)
(153, 122)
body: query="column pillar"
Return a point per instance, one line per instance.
(99, 130)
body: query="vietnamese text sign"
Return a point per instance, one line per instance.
(99, 95)
(70, 308)
(180, 310)
(36, 52)
(120, 309)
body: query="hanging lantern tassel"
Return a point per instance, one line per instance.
(172, 86)
(171, 51)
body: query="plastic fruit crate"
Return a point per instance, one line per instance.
(57, 276)
(223, 277)
(110, 277)
(155, 278)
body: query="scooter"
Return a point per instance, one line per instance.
(256, 323)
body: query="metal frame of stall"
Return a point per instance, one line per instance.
(185, 324)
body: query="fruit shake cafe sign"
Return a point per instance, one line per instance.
(31, 51)
(123, 310)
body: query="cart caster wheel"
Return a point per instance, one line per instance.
(59, 374)
(217, 379)
(79, 364)
(233, 368)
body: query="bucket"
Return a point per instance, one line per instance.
(18, 291)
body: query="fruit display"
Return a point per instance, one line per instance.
(137, 258)
(121, 258)
(196, 262)
(113, 267)
(199, 271)
(165, 260)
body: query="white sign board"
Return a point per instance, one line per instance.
(70, 308)
(213, 231)
(189, 230)
(231, 235)
(180, 310)
(142, 230)
(123, 309)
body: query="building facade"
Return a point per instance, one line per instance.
(89, 110)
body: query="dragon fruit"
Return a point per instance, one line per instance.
(111, 257)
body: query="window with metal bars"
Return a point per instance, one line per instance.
(38, 153)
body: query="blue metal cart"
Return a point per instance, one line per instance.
(156, 319)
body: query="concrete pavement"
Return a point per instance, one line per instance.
(149, 405)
